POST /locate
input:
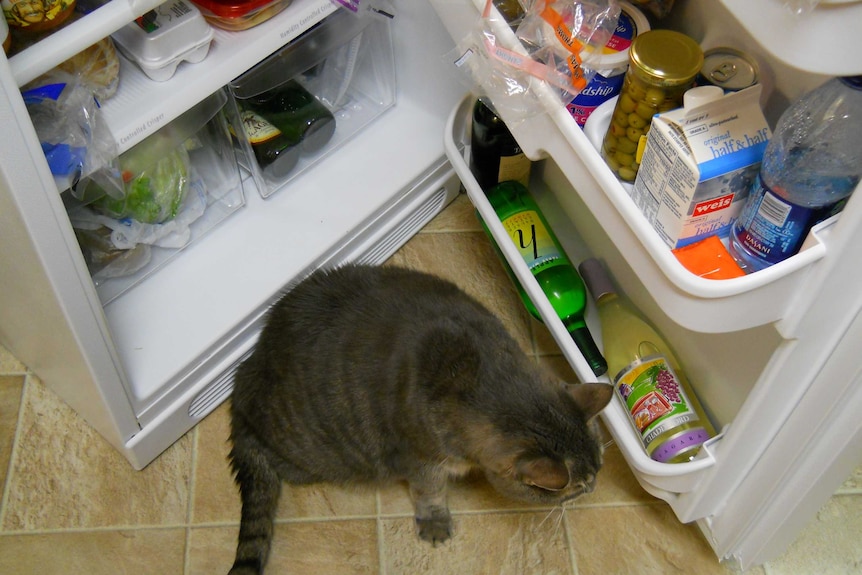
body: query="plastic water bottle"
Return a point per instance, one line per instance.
(812, 163)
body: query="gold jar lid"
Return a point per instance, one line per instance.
(665, 57)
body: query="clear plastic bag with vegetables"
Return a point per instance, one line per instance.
(549, 54)
(155, 183)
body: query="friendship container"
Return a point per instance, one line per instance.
(612, 65)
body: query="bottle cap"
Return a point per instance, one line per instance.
(701, 95)
(595, 277)
(853, 81)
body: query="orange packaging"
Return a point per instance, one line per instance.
(708, 259)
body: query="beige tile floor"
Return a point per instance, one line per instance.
(71, 505)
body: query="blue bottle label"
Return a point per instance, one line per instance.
(772, 227)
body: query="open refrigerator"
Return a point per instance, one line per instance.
(772, 356)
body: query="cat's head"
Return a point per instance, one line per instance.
(554, 454)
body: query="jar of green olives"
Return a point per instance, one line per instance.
(662, 66)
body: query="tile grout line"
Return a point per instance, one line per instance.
(573, 562)
(381, 547)
(193, 473)
(13, 456)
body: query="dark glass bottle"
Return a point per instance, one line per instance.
(297, 113)
(495, 156)
(558, 278)
(276, 154)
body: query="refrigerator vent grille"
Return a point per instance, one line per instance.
(405, 230)
(216, 392)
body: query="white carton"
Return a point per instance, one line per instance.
(699, 163)
(170, 33)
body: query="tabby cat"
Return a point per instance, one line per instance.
(372, 374)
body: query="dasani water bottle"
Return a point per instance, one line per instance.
(812, 163)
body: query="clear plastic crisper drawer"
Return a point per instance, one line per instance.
(308, 98)
(180, 182)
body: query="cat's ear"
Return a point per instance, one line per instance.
(592, 397)
(543, 472)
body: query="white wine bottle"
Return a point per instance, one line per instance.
(647, 376)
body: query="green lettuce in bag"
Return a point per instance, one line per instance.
(155, 183)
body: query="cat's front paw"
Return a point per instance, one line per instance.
(437, 528)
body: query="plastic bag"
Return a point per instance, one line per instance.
(555, 42)
(119, 247)
(155, 183)
(78, 145)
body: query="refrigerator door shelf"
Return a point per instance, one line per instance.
(694, 302)
(698, 304)
(663, 480)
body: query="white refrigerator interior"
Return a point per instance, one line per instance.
(148, 365)
(773, 356)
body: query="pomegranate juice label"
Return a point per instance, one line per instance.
(654, 399)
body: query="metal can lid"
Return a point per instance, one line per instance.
(729, 68)
(665, 57)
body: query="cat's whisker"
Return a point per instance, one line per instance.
(548, 516)
(608, 444)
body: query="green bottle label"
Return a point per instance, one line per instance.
(533, 241)
(654, 397)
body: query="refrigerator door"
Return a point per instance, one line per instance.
(50, 315)
(770, 354)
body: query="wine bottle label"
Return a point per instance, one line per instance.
(533, 241)
(257, 129)
(655, 400)
(516, 168)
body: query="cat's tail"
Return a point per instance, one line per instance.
(260, 488)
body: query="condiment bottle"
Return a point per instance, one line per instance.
(36, 15)
(647, 376)
(495, 155)
(662, 66)
(558, 278)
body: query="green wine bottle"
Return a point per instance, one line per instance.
(647, 376)
(558, 278)
(297, 113)
(276, 154)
